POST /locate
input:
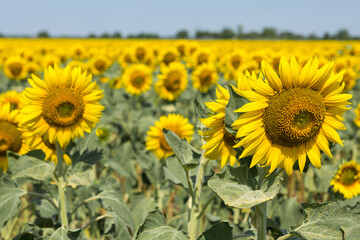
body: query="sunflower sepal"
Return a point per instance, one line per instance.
(239, 189)
(188, 157)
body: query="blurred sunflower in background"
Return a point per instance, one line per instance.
(292, 115)
(347, 180)
(137, 79)
(62, 106)
(168, 56)
(99, 64)
(155, 139)
(172, 81)
(15, 68)
(13, 98)
(204, 77)
(11, 136)
(219, 142)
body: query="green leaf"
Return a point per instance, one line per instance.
(141, 210)
(221, 230)
(121, 219)
(199, 109)
(155, 228)
(32, 165)
(86, 150)
(9, 199)
(59, 234)
(182, 149)
(327, 221)
(236, 187)
(175, 172)
(352, 232)
(287, 211)
(79, 174)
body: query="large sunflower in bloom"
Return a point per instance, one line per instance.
(291, 115)
(347, 180)
(219, 142)
(172, 81)
(11, 136)
(156, 142)
(62, 106)
(137, 79)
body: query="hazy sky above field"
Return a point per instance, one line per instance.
(166, 17)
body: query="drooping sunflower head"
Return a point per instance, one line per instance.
(219, 142)
(172, 81)
(293, 115)
(11, 136)
(13, 98)
(347, 180)
(155, 140)
(137, 79)
(204, 77)
(62, 106)
(15, 68)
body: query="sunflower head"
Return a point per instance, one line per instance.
(204, 76)
(13, 98)
(62, 106)
(347, 179)
(137, 79)
(293, 115)
(155, 140)
(172, 81)
(11, 136)
(15, 68)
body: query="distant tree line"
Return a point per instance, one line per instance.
(269, 33)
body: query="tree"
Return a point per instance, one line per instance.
(117, 35)
(104, 35)
(43, 34)
(92, 35)
(182, 34)
(342, 34)
(227, 33)
(269, 32)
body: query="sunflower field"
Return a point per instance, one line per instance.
(179, 139)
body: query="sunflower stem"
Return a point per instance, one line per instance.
(261, 208)
(236, 216)
(195, 201)
(61, 187)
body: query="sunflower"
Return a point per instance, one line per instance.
(137, 79)
(219, 142)
(11, 97)
(172, 81)
(11, 136)
(291, 116)
(115, 83)
(99, 64)
(62, 106)
(347, 180)
(202, 56)
(156, 142)
(204, 76)
(15, 68)
(168, 56)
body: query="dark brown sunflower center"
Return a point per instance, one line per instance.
(169, 58)
(235, 61)
(16, 68)
(202, 58)
(10, 137)
(140, 53)
(137, 79)
(294, 116)
(349, 176)
(100, 65)
(63, 107)
(229, 139)
(172, 83)
(205, 77)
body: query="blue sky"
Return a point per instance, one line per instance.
(166, 17)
